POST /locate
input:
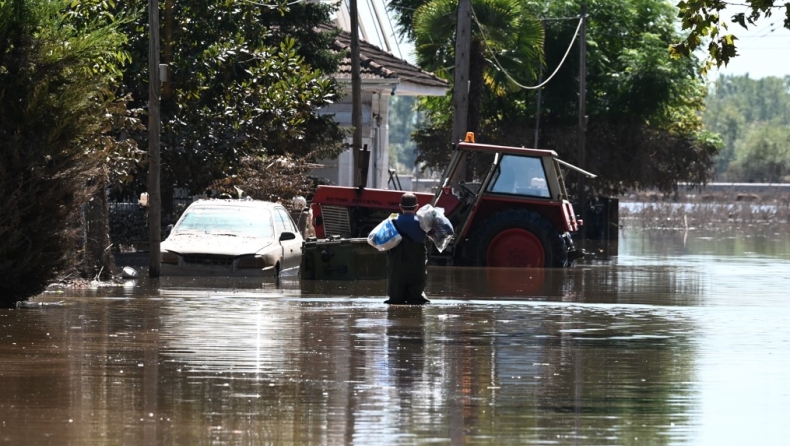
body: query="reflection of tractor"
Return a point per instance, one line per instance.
(516, 214)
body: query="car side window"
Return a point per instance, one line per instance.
(287, 223)
(279, 224)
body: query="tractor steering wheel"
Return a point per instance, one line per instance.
(467, 192)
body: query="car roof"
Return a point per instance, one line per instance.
(230, 203)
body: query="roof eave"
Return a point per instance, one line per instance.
(398, 87)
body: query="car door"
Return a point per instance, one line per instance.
(292, 249)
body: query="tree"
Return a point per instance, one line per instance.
(57, 74)
(703, 20)
(762, 155)
(506, 38)
(402, 122)
(745, 112)
(643, 128)
(246, 81)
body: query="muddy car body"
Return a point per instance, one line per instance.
(245, 238)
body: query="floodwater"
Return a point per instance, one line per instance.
(681, 339)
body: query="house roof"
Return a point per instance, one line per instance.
(379, 68)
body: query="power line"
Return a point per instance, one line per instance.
(274, 6)
(499, 65)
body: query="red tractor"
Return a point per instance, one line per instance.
(516, 214)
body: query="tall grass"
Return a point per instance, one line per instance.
(724, 212)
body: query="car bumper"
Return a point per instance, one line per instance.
(169, 269)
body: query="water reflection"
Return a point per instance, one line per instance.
(675, 341)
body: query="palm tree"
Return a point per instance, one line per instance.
(505, 50)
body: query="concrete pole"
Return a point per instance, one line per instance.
(154, 192)
(463, 39)
(582, 121)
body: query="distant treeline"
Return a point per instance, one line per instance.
(753, 118)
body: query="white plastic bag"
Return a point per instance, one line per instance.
(436, 225)
(426, 215)
(384, 236)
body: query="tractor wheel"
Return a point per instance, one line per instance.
(517, 238)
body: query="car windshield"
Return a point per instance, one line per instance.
(234, 221)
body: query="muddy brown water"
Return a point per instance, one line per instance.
(680, 339)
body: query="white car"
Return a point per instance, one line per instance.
(232, 238)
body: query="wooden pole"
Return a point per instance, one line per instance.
(356, 96)
(154, 193)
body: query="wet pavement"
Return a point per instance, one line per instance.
(680, 339)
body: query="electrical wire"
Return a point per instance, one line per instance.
(499, 65)
(397, 40)
(277, 6)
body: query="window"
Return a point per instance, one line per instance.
(284, 222)
(520, 175)
(245, 222)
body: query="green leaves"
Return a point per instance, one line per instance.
(59, 65)
(506, 35)
(642, 105)
(749, 114)
(247, 80)
(703, 22)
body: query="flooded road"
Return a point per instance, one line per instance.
(682, 339)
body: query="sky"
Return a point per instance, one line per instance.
(763, 49)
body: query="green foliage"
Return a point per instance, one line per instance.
(748, 113)
(642, 105)
(505, 44)
(762, 155)
(433, 134)
(404, 15)
(246, 81)
(402, 123)
(704, 23)
(58, 65)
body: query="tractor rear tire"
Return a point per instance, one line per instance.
(517, 238)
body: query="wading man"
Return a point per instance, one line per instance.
(406, 262)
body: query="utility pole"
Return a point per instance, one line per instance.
(356, 98)
(582, 120)
(154, 192)
(537, 111)
(463, 39)
(167, 51)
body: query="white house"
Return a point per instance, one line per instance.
(383, 76)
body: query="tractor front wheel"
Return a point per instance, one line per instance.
(517, 238)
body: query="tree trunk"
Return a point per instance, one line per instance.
(97, 259)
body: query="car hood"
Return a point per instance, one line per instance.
(214, 244)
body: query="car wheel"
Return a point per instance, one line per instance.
(517, 238)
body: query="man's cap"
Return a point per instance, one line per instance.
(408, 201)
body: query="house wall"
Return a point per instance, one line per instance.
(374, 135)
